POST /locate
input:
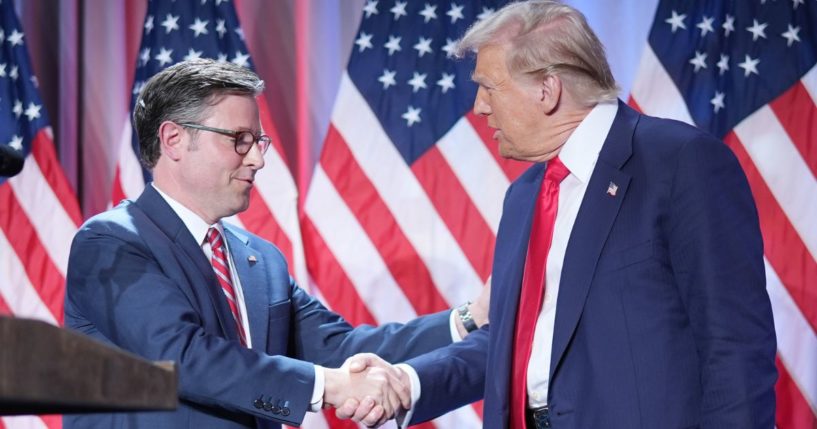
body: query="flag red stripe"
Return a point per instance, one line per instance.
(336, 423)
(793, 412)
(478, 407)
(4, 310)
(269, 126)
(363, 200)
(42, 273)
(53, 421)
(632, 103)
(262, 222)
(117, 193)
(42, 148)
(797, 113)
(335, 286)
(511, 168)
(426, 425)
(783, 246)
(458, 212)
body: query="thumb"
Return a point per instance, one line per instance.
(360, 362)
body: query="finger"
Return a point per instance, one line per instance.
(391, 401)
(375, 418)
(366, 407)
(404, 394)
(348, 409)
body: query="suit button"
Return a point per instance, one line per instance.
(258, 403)
(276, 409)
(285, 411)
(267, 406)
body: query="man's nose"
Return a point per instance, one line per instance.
(254, 158)
(481, 107)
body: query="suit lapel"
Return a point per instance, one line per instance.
(605, 192)
(250, 268)
(191, 255)
(509, 263)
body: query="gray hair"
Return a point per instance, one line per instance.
(547, 37)
(183, 93)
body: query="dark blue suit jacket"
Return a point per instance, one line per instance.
(662, 318)
(138, 280)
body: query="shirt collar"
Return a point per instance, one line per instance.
(581, 151)
(196, 225)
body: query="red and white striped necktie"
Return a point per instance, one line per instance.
(222, 270)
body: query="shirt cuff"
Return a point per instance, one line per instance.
(316, 403)
(403, 418)
(452, 325)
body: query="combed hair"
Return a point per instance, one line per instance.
(546, 37)
(183, 93)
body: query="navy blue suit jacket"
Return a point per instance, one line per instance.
(662, 318)
(138, 280)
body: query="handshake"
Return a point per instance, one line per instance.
(367, 389)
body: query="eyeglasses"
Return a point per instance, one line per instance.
(243, 140)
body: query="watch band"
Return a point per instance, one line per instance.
(466, 318)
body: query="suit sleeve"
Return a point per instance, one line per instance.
(117, 292)
(325, 338)
(451, 377)
(716, 252)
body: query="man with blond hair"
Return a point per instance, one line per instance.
(628, 277)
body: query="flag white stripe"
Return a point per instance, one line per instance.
(16, 287)
(314, 421)
(655, 92)
(130, 170)
(24, 422)
(277, 188)
(478, 172)
(356, 254)
(796, 342)
(464, 417)
(450, 270)
(810, 82)
(784, 171)
(44, 210)
(235, 221)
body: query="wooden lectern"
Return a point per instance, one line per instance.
(48, 370)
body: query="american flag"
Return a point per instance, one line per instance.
(177, 31)
(745, 71)
(402, 211)
(38, 209)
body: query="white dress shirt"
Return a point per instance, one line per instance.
(198, 228)
(579, 154)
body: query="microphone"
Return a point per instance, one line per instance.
(11, 161)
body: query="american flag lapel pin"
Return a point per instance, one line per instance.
(252, 259)
(612, 188)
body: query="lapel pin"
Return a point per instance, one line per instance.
(252, 259)
(612, 188)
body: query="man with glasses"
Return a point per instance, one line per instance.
(164, 278)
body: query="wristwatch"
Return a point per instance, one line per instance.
(466, 318)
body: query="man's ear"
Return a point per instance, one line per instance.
(550, 93)
(170, 139)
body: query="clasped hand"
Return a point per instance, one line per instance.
(367, 389)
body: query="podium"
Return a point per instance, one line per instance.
(49, 370)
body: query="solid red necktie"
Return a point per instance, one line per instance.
(533, 285)
(222, 270)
